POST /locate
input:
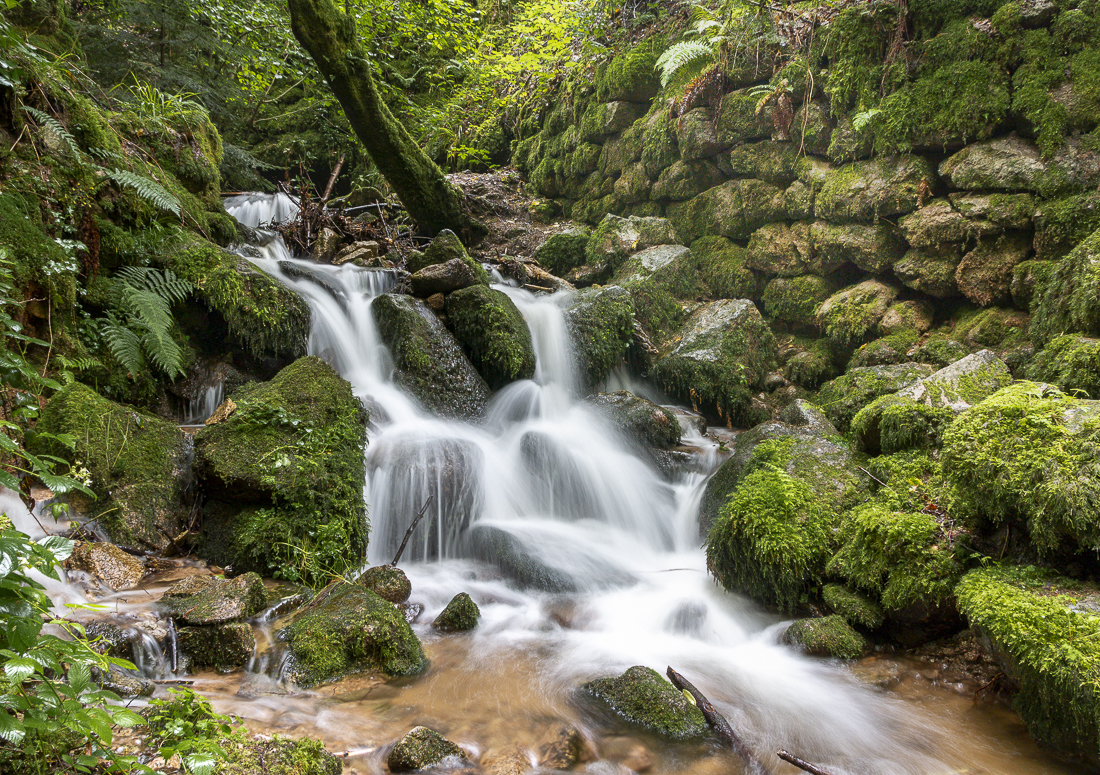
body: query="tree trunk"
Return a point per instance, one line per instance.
(329, 37)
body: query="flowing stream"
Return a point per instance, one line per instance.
(545, 487)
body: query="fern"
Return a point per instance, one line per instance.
(55, 128)
(681, 54)
(143, 297)
(124, 344)
(147, 188)
(165, 284)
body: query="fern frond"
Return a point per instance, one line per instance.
(147, 188)
(860, 121)
(679, 55)
(163, 351)
(148, 310)
(165, 284)
(104, 155)
(125, 345)
(55, 128)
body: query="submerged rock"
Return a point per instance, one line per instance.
(419, 749)
(828, 636)
(561, 749)
(461, 613)
(508, 760)
(201, 600)
(642, 696)
(107, 564)
(388, 582)
(493, 333)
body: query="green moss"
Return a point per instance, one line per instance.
(828, 636)
(421, 749)
(655, 308)
(601, 323)
(562, 251)
(1069, 301)
(894, 423)
(939, 350)
(205, 600)
(842, 398)
(631, 76)
(722, 269)
(461, 613)
(493, 333)
(886, 350)
(189, 147)
(1029, 452)
(223, 647)
(796, 300)
(350, 630)
(733, 210)
(1061, 224)
(388, 582)
(812, 366)
(1049, 643)
(1070, 362)
(643, 697)
(856, 608)
(37, 260)
(277, 756)
(853, 313)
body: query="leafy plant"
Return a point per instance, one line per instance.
(147, 188)
(152, 102)
(187, 725)
(137, 328)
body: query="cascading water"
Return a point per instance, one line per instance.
(544, 490)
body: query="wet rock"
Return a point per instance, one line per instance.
(349, 629)
(106, 564)
(985, 273)
(849, 315)
(638, 759)
(563, 251)
(828, 636)
(509, 760)
(276, 756)
(429, 362)
(202, 600)
(615, 238)
(493, 334)
(388, 582)
(223, 647)
(460, 614)
(326, 245)
(442, 278)
(561, 749)
(224, 411)
(872, 189)
(515, 561)
(844, 396)
(419, 749)
(642, 696)
(363, 253)
(601, 324)
(779, 249)
(123, 683)
(647, 423)
(446, 246)
(411, 611)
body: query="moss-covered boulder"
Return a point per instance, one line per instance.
(615, 238)
(785, 250)
(643, 697)
(917, 415)
(931, 270)
(723, 269)
(1070, 362)
(734, 209)
(631, 76)
(872, 189)
(493, 334)
(795, 300)
(563, 251)
(276, 756)
(105, 564)
(848, 316)
(349, 629)
(874, 248)
(1042, 629)
(644, 422)
(222, 647)
(985, 273)
(686, 179)
(420, 749)
(205, 600)
(722, 353)
(809, 362)
(844, 396)
(429, 361)
(446, 277)
(775, 163)
(601, 322)
(136, 461)
(460, 614)
(1002, 164)
(915, 315)
(388, 582)
(827, 636)
(1027, 453)
(856, 608)
(648, 262)
(1069, 301)
(283, 476)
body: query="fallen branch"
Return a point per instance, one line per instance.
(409, 532)
(800, 764)
(718, 723)
(356, 752)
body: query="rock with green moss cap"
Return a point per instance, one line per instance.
(276, 756)
(1042, 628)
(643, 697)
(631, 76)
(493, 333)
(685, 179)
(939, 222)
(460, 614)
(564, 250)
(872, 189)
(349, 629)
(775, 163)
(446, 277)
(204, 600)
(601, 323)
(811, 365)
(136, 461)
(286, 464)
(1007, 211)
(1002, 164)
(931, 270)
(723, 269)
(795, 300)
(827, 636)
(855, 607)
(721, 355)
(446, 246)
(388, 582)
(848, 316)
(222, 647)
(985, 273)
(843, 397)
(734, 209)
(643, 421)
(420, 749)
(429, 361)
(909, 315)
(785, 250)
(886, 350)
(106, 564)
(917, 415)
(874, 248)
(617, 238)
(992, 327)
(1068, 301)
(939, 350)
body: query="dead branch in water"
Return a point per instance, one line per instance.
(409, 532)
(800, 764)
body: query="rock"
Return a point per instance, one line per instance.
(421, 748)
(872, 189)
(779, 249)
(917, 414)
(617, 238)
(515, 561)
(643, 697)
(812, 128)
(262, 476)
(326, 245)
(638, 759)
(796, 300)
(885, 351)
(124, 684)
(985, 273)
(939, 350)
(428, 360)
(563, 251)
(992, 327)
(603, 119)
(698, 137)
(734, 209)
(204, 600)
(1067, 301)
(224, 411)
(438, 302)
(223, 647)
(445, 247)
(806, 366)
(363, 253)
(137, 463)
(721, 355)
(349, 629)
(646, 423)
(107, 564)
(849, 315)
(1005, 211)
(911, 315)
(442, 278)
(774, 163)
(1014, 164)
(388, 582)
(686, 179)
(601, 323)
(264, 755)
(1027, 278)
(460, 614)
(561, 749)
(938, 222)
(723, 270)
(630, 76)
(853, 606)
(493, 334)
(931, 271)
(842, 398)
(646, 262)
(828, 636)
(874, 248)
(509, 760)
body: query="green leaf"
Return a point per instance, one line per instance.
(79, 676)
(20, 669)
(11, 729)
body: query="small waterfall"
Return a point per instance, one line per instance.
(203, 404)
(149, 657)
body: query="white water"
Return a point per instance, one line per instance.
(547, 473)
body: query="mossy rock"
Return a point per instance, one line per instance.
(493, 333)
(931, 271)
(811, 366)
(1042, 628)
(722, 353)
(939, 350)
(1061, 224)
(207, 600)
(775, 163)
(429, 361)
(1069, 301)
(1015, 164)
(856, 608)
(827, 636)
(993, 327)
(615, 239)
(843, 397)
(698, 136)
(795, 300)
(1028, 277)
(909, 315)
(849, 315)
(563, 251)
(643, 697)
(734, 210)
(459, 615)
(1027, 453)
(872, 189)
(420, 749)
(277, 756)
(283, 475)
(644, 422)
(388, 582)
(785, 250)
(1070, 362)
(349, 629)
(30, 247)
(723, 269)
(601, 323)
(222, 647)
(874, 248)
(136, 461)
(985, 273)
(631, 76)
(190, 148)
(686, 179)
(444, 247)
(886, 350)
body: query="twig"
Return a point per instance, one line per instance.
(800, 764)
(409, 532)
(864, 470)
(332, 180)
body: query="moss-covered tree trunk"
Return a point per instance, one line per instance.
(329, 37)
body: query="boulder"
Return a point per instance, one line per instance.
(349, 629)
(460, 614)
(388, 582)
(643, 697)
(721, 355)
(276, 755)
(843, 397)
(443, 278)
(123, 683)
(911, 315)
(603, 119)
(222, 647)
(362, 253)
(827, 636)
(136, 461)
(615, 238)
(779, 249)
(632, 75)
(493, 334)
(206, 600)
(420, 749)
(795, 300)
(646, 423)
(326, 245)
(601, 324)
(428, 360)
(1014, 164)
(848, 316)
(985, 273)
(1067, 302)
(562, 748)
(506, 760)
(734, 209)
(1005, 211)
(686, 179)
(564, 250)
(855, 607)
(646, 263)
(873, 189)
(931, 270)
(873, 248)
(774, 163)
(106, 564)
(723, 269)
(886, 350)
